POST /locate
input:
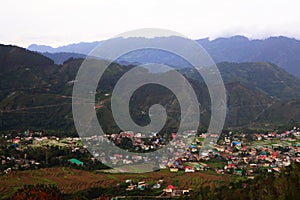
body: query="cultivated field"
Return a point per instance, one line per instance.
(71, 180)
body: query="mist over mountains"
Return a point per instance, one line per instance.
(282, 51)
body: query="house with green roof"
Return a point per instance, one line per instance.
(75, 161)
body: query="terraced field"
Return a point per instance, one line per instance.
(71, 180)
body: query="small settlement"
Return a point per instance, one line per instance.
(235, 153)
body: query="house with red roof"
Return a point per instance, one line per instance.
(189, 169)
(170, 188)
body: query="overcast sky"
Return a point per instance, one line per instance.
(61, 22)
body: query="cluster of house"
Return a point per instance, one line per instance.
(168, 190)
(140, 142)
(173, 191)
(20, 143)
(136, 142)
(241, 157)
(284, 136)
(142, 185)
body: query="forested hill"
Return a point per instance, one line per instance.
(36, 93)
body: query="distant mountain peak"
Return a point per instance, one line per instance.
(280, 50)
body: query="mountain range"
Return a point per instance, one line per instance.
(36, 93)
(282, 51)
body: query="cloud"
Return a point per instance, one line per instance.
(62, 22)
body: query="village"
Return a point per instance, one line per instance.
(235, 153)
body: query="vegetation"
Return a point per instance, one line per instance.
(49, 157)
(35, 93)
(266, 186)
(40, 191)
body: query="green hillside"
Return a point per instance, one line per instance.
(266, 77)
(36, 93)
